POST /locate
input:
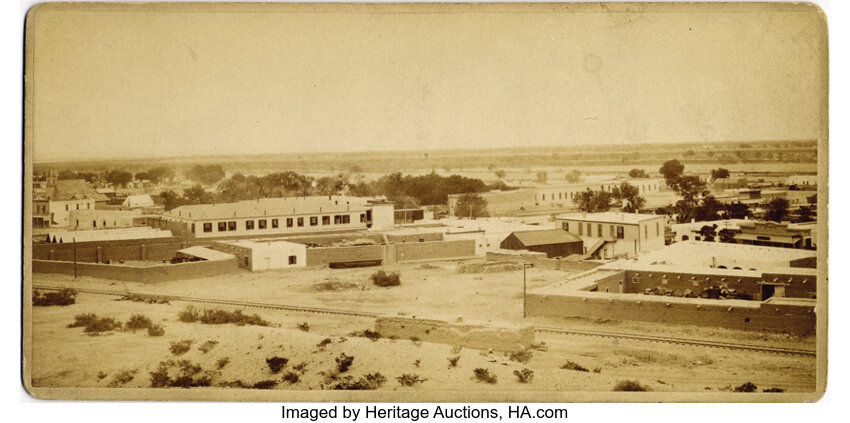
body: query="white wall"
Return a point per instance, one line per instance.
(275, 255)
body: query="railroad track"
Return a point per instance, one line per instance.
(364, 314)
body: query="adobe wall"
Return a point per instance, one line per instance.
(434, 250)
(799, 286)
(339, 237)
(747, 315)
(540, 260)
(326, 255)
(425, 236)
(129, 249)
(152, 274)
(470, 335)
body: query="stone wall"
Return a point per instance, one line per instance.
(101, 251)
(148, 274)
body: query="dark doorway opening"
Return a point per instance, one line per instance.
(767, 291)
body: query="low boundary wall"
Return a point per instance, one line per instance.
(734, 314)
(101, 251)
(470, 335)
(392, 253)
(146, 274)
(542, 262)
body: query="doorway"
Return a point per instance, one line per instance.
(767, 291)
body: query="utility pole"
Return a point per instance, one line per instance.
(524, 266)
(74, 240)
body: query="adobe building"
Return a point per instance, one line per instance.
(550, 197)
(276, 217)
(259, 255)
(608, 235)
(553, 242)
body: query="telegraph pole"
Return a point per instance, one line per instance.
(524, 266)
(75, 256)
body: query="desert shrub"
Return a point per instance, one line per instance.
(343, 362)
(629, 385)
(524, 375)
(300, 367)
(367, 333)
(369, 381)
(291, 377)
(233, 384)
(773, 390)
(265, 384)
(101, 374)
(324, 342)
(138, 321)
(156, 330)
(456, 349)
(572, 365)
(484, 375)
(102, 324)
(540, 346)
(304, 326)
(181, 347)
(185, 375)
(410, 379)
(747, 387)
(521, 356)
(597, 370)
(83, 320)
(122, 378)
(382, 278)
(453, 361)
(207, 346)
(222, 362)
(416, 341)
(276, 363)
(66, 296)
(189, 315)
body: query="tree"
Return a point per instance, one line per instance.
(500, 173)
(671, 170)
(542, 177)
(593, 201)
(206, 174)
(141, 176)
(708, 232)
(66, 174)
(805, 214)
(708, 209)
(689, 153)
(719, 173)
(160, 174)
(471, 205)
(630, 195)
(198, 195)
(727, 235)
(737, 211)
(119, 177)
(638, 173)
(777, 209)
(573, 176)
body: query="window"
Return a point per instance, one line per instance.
(612, 231)
(589, 230)
(231, 226)
(346, 218)
(362, 217)
(249, 224)
(261, 223)
(292, 260)
(657, 229)
(314, 221)
(635, 280)
(580, 229)
(599, 230)
(620, 232)
(337, 219)
(193, 228)
(300, 221)
(288, 222)
(88, 206)
(208, 227)
(566, 226)
(94, 223)
(66, 207)
(78, 206)
(544, 197)
(222, 226)
(274, 223)
(326, 220)
(645, 232)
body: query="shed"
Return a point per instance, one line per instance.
(554, 242)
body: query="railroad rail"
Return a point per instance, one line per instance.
(364, 314)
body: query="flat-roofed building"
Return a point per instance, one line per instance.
(277, 216)
(553, 242)
(258, 255)
(611, 234)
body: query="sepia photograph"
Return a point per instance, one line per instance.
(539, 202)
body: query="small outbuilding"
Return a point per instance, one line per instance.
(554, 242)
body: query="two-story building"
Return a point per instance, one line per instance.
(276, 217)
(609, 234)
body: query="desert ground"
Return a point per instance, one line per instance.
(69, 357)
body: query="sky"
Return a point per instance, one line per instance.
(123, 82)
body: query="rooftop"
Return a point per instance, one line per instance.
(609, 217)
(271, 207)
(546, 237)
